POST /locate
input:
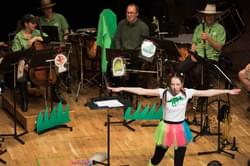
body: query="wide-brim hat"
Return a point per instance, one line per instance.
(46, 4)
(210, 9)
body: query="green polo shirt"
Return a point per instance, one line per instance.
(59, 21)
(217, 32)
(20, 42)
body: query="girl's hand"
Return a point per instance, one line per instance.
(234, 91)
(118, 89)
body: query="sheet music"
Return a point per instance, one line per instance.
(109, 103)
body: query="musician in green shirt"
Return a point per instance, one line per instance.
(208, 40)
(50, 18)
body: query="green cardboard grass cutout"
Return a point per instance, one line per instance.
(57, 117)
(146, 114)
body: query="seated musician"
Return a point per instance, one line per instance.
(27, 35)
(208, 40)
(130, 34)
(244, 77)
(50, 18)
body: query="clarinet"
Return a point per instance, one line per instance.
(204, 41)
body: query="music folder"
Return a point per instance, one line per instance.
(128, 54)
(40, 57)
(13, 58)
(52, 32)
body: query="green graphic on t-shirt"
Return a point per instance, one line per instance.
(175, 100)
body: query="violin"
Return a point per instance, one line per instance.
(42, 75)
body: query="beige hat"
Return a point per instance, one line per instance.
(46, 4)
(210, 9)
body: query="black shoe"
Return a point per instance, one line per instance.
(24, 105)
(56, 97)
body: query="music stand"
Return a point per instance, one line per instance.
(43, 58)
(132, 55)
(203, 128)
(52, 32)
(132, 59)
(2, 152)
(1, 160)
(169, 46)
(9, 64)
(92, 105)
(217, 70)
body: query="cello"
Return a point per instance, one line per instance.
(42, 75)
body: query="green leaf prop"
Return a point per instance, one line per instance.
(148, 113)
(57, 117)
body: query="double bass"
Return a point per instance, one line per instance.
(42, 75)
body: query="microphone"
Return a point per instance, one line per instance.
(203, 24)
(204, 41)
(203, 29)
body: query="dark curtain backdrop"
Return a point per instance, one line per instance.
(83, 14)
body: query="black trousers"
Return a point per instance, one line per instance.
(179, 155)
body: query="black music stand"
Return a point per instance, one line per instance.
(92, 105)
(170, 48)
(204, 128)
(1, 160)
(52, 32)
(2, 152)
(131, 54)
(43, 58)
(215, 68)
(8, 65)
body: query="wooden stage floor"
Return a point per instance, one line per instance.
(61, 147)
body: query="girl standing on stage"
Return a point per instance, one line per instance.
(173, 130)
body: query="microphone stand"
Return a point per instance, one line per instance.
(204, 128)
(206, 122)
(220, 149)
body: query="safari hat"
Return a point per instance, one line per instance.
(210, 9)
(46, 4)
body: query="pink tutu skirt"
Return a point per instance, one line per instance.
(177, 135)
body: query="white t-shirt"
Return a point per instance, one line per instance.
(176, 105)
